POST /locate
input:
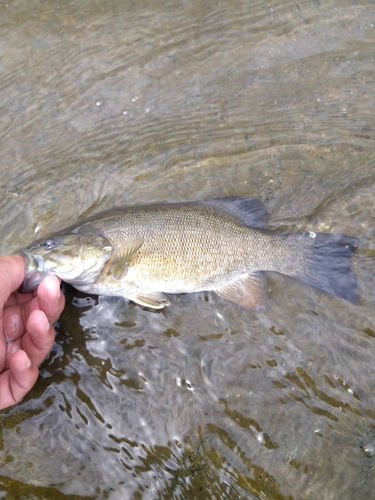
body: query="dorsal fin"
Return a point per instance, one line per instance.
(248, 210)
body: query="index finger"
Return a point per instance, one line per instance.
(12, 272)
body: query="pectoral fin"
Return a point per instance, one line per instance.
(155, 300)
(248, 290)
(121, 256)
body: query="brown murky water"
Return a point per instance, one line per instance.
(122, 102)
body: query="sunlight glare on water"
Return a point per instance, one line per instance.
(120, 102)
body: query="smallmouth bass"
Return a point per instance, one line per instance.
(145, 252)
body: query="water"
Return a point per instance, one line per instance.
(111, 103)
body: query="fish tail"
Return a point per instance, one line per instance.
(326, 263)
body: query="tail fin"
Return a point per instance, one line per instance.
(327, 263)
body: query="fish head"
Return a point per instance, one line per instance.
(76, 259)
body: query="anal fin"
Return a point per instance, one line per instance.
(248, 290)
(155, 300)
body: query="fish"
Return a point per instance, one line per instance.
(146, 253)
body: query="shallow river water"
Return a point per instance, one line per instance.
(106, 103)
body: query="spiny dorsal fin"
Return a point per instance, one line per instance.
(121, 256)
(248, 290)
(248, 210)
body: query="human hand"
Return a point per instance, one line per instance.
(26, 331)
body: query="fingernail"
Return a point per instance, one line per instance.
(13, 348)
(15, 323)
(46, 323)
(27, 361)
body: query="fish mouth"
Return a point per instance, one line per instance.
(33, 274)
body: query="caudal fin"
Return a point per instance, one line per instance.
(327, 263)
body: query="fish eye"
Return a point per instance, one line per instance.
(50, 244)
